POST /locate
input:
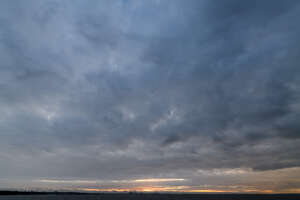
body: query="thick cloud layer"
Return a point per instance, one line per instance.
(133, 89)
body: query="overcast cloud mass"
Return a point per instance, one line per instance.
(102, 94)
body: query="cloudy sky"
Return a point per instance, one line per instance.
(150, 95)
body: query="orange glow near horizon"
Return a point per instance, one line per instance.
(136, 189)
(182, 189)
(157, 189)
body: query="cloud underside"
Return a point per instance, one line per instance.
(130, 90)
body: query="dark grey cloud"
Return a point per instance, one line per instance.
(128, 89)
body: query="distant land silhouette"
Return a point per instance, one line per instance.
(18, 195)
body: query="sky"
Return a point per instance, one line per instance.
(150, 95)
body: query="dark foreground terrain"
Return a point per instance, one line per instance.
(141, 196)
